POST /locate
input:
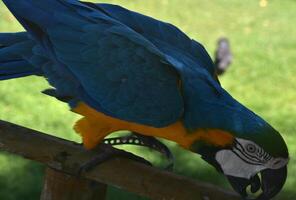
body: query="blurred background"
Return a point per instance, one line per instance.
(262, 76)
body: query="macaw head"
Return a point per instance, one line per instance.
(254, 155)
(255, 162)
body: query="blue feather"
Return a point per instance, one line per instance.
(164, 35)
(13, 47)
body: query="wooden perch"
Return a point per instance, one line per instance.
(67, 157)
(61, 186)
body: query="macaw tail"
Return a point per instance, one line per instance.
(12, 56)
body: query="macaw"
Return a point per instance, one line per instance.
(122, 70)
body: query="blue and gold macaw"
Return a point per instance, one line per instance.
(122, 70)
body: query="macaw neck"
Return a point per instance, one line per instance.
(208, 106)
(208, 114)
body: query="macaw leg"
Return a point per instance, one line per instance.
(108, 153)
(133, 139)
(93, 134)
(146, 141)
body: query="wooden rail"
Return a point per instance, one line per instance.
(64, 158)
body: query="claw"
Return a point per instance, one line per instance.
(146, 141)
(134, 139)
(109, 153)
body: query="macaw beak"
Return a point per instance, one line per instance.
(271, 183)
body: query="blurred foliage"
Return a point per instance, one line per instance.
(262, 35)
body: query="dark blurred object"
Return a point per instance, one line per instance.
(223, 56)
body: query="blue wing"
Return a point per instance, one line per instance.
(114, 69)
(168, 38)
(120, 74)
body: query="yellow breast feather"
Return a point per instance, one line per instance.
(95, 126)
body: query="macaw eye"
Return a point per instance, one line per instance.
(251, 148)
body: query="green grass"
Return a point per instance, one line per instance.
(261, 77)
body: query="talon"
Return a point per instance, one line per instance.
(146, 141)
(108, 154)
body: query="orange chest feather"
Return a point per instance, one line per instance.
(95, 126)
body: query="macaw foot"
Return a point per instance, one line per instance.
(146, 141)
(108, 153)
(133, 139)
